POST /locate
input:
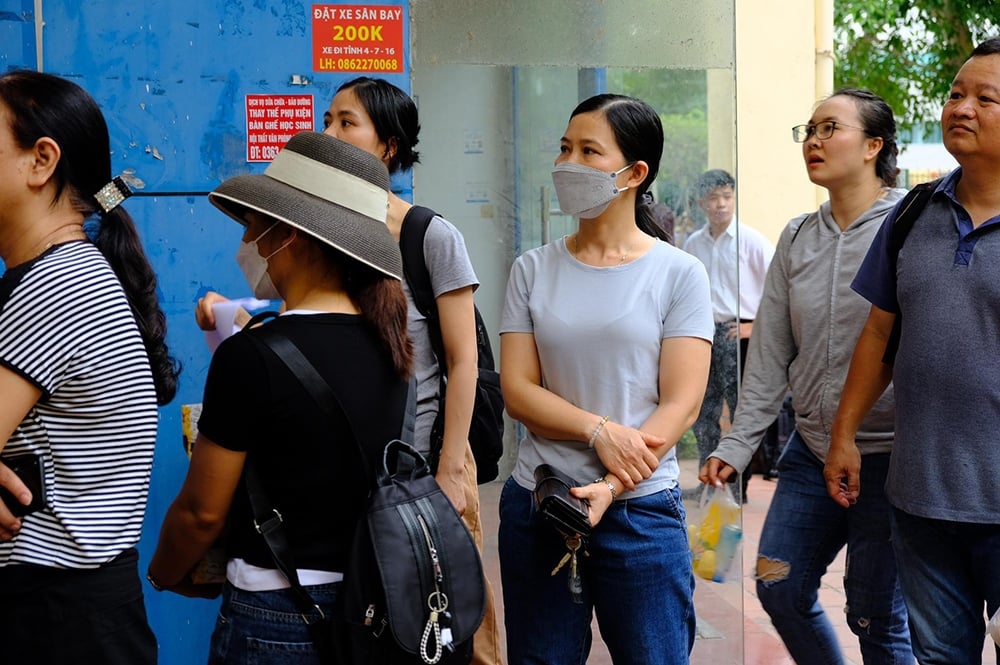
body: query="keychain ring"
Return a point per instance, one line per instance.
(440, 599)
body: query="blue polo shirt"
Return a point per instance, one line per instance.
(946, 286)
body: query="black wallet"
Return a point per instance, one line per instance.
(29, 469)
(554, 503)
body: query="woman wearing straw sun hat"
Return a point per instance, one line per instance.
(316, 238)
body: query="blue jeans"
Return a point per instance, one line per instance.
(948, 572)
(636, 575)
(803, 532)
(266, 628)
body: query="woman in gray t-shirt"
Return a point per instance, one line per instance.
(605, 346)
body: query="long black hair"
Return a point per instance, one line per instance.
(42, 105)
(639, 134)
(394, 116)
(878, 120)
(381, 300)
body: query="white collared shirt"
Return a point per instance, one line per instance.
(733, 281)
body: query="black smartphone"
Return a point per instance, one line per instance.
(30, 470)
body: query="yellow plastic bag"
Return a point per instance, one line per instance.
(714, 538)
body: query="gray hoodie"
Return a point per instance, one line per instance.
(804, 335)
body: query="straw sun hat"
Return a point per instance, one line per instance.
(326, 188)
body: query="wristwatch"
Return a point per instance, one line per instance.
(611, 486)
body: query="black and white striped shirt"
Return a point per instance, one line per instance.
(66, 326)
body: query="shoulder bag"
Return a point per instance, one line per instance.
(413, 591)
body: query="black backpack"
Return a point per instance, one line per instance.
(413, 590)
(486, 429)
(909, 209)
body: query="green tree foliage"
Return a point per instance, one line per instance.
(908, 51)
(685, 158)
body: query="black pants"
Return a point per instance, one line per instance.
(52, 616)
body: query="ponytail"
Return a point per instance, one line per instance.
(645, 219)
(383, 307)
(381, 301)
(119, 242)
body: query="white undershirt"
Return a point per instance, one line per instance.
(243, 575)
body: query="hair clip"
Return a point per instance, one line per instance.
(112, 194)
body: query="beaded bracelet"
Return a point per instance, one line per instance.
(597, 430)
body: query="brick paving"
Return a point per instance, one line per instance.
(722, 608)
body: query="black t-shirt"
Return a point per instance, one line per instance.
(309, 464)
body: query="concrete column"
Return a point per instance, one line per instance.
(824, 61)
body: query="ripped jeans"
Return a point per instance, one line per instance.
(803, 533)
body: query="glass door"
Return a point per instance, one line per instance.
(495, 82)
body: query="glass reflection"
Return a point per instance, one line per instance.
(492, 119)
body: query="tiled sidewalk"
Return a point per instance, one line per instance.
(719, 605)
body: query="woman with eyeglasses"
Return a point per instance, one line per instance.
(808, 322)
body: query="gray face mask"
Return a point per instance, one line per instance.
(583, 191)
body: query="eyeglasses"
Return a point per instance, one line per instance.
(823, 130)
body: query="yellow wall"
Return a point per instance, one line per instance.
(783, 66)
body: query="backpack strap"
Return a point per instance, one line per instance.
(411, 245)
(418, 277)
(803, 219)
(910, 208)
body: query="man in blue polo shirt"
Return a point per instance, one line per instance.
(944, 476)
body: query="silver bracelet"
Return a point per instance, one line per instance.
(611, 486)
(597, 430)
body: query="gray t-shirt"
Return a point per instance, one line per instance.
(448, 263)
(598, 333)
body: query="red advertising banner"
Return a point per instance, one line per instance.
(272, 120)
(357, 38)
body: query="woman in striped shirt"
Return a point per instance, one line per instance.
(83, 366)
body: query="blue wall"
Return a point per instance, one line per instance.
(171, 76)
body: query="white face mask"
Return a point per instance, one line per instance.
(254, 267)
(583, 191)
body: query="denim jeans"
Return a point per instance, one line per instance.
(803, 532)
(636, 575)
(948, 572)
(265, 627)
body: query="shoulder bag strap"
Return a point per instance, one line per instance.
(267, 520)
(319, 389)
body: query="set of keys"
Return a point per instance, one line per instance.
(574, 582)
